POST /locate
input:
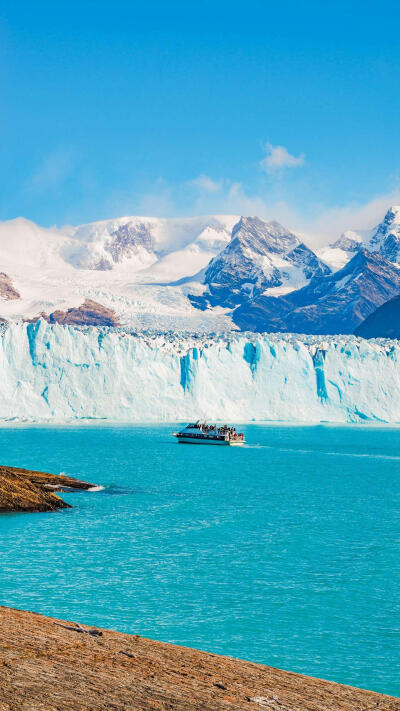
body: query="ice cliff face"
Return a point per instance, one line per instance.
(56, 373)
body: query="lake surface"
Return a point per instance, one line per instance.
(285, 551)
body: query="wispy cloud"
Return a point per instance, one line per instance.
(278, 159)
(321, 224)
(206, 184)
(329, 221)
(293, 205)
(52, 172)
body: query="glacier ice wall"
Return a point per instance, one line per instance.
(59, 373)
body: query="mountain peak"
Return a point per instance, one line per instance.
(393, 214)
(349, 241)
(260, 256)
(263, 236)
(386, 238)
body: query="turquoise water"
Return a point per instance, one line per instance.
(284, 552)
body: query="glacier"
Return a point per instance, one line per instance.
(53, 373)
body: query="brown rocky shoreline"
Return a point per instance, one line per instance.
(27, 490)
(48, 665)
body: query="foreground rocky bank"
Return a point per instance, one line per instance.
(50, 665)
(26, 490)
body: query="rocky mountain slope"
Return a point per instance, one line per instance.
(50, 665)
(382, 323)
(261, 256)
(7, 290)
(331, 304)
(200, 274)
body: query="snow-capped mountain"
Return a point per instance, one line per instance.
(261, 257)
(199, 274)
(129, 265)
(366, 270)
(102, 246)
(336, 255)
(331, 304)
(384, 238)
(136, 243)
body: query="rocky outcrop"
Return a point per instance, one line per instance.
(127, 239)
(90, 313)
(7, 290)
(26, 490)
(102, 245)
(52, 665)
(333, 304)
(34, 319)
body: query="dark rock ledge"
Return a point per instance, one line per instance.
(26, 490)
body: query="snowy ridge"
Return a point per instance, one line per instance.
(210, 273)
(132, 264)
(384, 239)
(261, 257)
(55, 373)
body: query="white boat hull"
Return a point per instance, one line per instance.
(223, 442)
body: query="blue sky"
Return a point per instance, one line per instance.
(289, 110)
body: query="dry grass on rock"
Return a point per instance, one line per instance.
(45, 667)
(25, 490)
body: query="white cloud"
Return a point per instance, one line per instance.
(321, 224)
(278, 158)
(206, 184)
(52, 172)
(332, 221)
(318, 223)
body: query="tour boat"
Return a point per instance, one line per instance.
(203, 433)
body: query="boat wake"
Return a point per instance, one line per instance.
(388, 457)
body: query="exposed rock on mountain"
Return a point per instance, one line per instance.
(349, 242)
(7, 290)
(127, 240)
(382, 323)
(100, 246)
(90, 313)
(386, 239)
(336, 303)
(136, 243)
(261, 255)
